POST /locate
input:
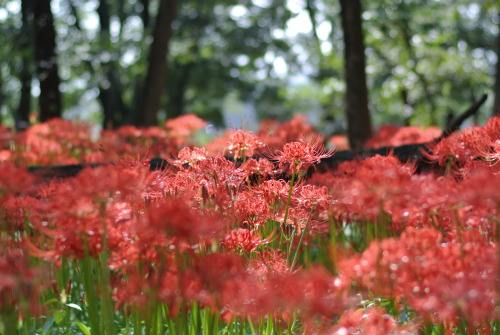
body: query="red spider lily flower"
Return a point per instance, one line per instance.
(442, 281)
(191, 155)
(242, 143)
(80, 212)
(247, 298)
(20, 284)
(214, 173)
(17, 186)
(243, 239)
(259, 168)
(188, 155)
(159, 283)
(269, 263)
(276, 134)
(217, 165)
(311, 195)
(472, 143)
(251, 209)
(297, 217)
(299, 156)
(391, 135)
(492, 153)
(181, 219)
(184, 126)
(132, 290)
(273, 191)
(312, 294)
(5, 155)
(56, 141)
(340, 142)
(132, 141)
(364, 187)
(370, 321)
(14, 180)
(322, 295)
(215, 269)
(382, 185)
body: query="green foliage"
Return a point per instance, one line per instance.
(436, 55)
(425, 59)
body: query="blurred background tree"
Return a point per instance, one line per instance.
(101, 60)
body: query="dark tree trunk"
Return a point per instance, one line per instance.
(24, 107)
(157, 65)
(104, 19)
(496, 106)
(110, 92)
(145, 17)
(359, 127)
(106, 94)
(46, 60)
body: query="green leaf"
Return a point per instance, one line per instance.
(75, 306)
(47, 325)
(85, 330)
(59, 316)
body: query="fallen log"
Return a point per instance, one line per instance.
(405, 153)
(408, 152)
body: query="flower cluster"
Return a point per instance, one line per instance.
(299, 156)
(370, 247)
(441, 281)
(462, 150)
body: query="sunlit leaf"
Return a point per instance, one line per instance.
(59, 316)
(75, 306)
(83, 328)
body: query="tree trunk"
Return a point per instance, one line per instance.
(157, 67)
(359, 128)
(496, 106)
(110, 91)
(24, 107)
(104, 18)
(145, 14)
(107, 96)
(46, 61)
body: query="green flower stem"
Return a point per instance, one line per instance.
(269, 325)
(137, 321)
(90, 297)
(9, 322)
(250, 324)
(333, 245)
(290, 245)
(107, 313)
(288, 201)
(194, 319)
(295, 257)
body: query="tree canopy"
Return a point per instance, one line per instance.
(425, 59)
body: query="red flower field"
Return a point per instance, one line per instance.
(244, 236)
